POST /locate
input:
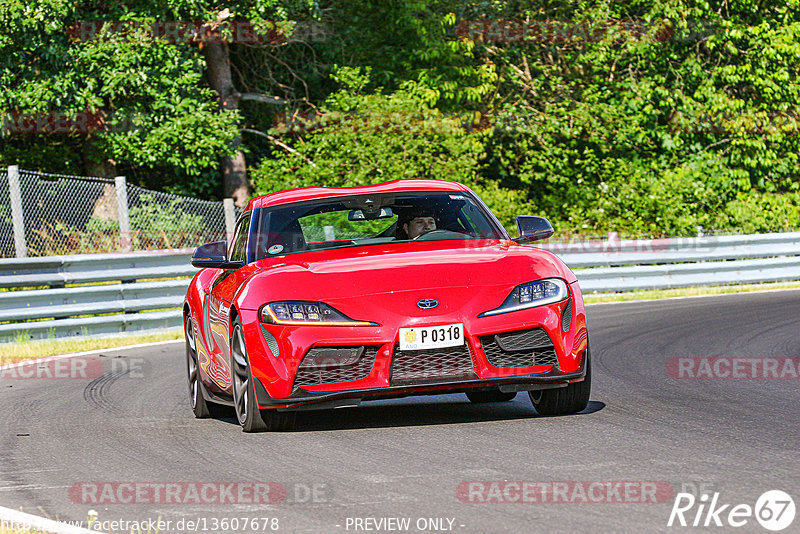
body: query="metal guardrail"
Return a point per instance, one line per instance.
(146, 297)
(613, 266)
(142, 292)
(609, 253)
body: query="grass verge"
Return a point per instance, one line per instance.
(26, 350)
(650, 294)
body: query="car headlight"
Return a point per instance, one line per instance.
(293, 312)
(532, 294)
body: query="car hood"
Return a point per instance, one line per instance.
(456, 271)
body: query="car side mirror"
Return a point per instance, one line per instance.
(532, 229)
(214, 256)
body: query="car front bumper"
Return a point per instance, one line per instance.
(307, 400)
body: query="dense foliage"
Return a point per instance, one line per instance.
(650, 117)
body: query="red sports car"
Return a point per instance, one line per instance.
(328, 297)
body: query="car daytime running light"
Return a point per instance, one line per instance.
(292, 312)
(531, 295)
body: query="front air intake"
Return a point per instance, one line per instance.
(522, 348)
(326, 365)
(434, 365)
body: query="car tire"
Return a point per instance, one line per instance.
(250, 417)
(495, 395)
(570, 399)
(200, 406)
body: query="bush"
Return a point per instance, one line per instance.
(154, 226)
(764, 212)
(365, 139)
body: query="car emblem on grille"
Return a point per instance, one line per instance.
(427, 304)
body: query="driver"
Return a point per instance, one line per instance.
(419, 224)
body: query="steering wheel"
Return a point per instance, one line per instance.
(438, 231)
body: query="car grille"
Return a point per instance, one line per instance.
(416, 366)
(523, 348)
(311, 374)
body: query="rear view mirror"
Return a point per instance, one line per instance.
(533, 229)
(213, 255)
(370, 215)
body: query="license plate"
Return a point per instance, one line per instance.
(432, 337)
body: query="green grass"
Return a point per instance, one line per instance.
(650, 294)
(26, 350)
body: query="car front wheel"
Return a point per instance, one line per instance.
(248, 413)
(570, 399)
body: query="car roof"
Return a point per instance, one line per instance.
(315, 193)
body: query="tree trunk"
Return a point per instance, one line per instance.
(96, 165)
(235, 182)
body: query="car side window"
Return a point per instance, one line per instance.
(239, 246)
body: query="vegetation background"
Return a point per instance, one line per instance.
(645, 117)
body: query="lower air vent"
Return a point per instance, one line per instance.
(523, 348)
(326, 365)
(419, 366)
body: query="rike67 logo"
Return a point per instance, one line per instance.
(774, 510)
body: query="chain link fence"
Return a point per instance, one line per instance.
(45, 214)
(6, 221)
(160, 220)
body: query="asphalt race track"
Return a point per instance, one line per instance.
(370, 468)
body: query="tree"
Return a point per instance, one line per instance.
(151, 105)
(360, 138)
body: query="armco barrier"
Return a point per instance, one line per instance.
(615, 252)
(143, 292)
(627, 265)
(108, 294)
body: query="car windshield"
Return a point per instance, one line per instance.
(371, 220)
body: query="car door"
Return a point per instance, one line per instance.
(218, 304)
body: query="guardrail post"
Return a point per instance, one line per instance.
(230, 218)
(125, 242)
(17, 216)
